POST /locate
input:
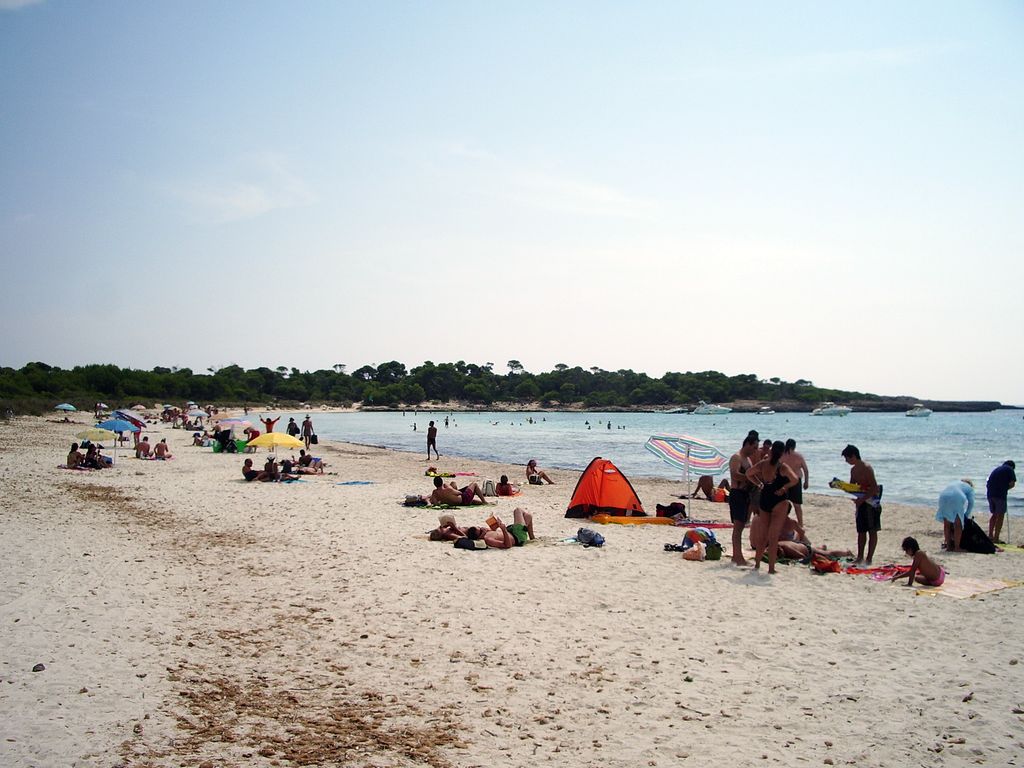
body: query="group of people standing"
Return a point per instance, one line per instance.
(765, 479)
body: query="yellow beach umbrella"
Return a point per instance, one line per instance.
(275, 439)
(95, 434)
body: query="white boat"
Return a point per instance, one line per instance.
(677, 410)
(831, 409)
(919, 411)
(710, 409)
(764, 410)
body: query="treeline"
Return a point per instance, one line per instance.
(390, 384)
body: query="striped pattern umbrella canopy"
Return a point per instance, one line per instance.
(690, 454)
(135, 418)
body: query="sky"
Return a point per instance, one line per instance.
(829, 191)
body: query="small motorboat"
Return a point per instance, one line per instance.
(677, 410)
(919, 411)
(710, 409)
(831, 409)
(764, 410)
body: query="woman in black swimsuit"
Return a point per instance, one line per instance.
(774, 479)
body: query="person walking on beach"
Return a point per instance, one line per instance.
(292, 428)
(795, 461)
(269, 423)
(1002, 479)
(867, 504)
(307, 431)
(775, 480)
(432, 441)
(739, 496)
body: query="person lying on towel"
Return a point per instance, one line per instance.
(455, 496)
(500, 536)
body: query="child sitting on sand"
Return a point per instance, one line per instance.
(927, 571)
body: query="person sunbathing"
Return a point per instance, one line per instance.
(798, 550)
(447, 530)
(92, 459)
(143, 449)
(536, 476)
(923, 568)
(161, 451)
(290, 467)
(505, 488)
(251, 474)
(306, 460)
(75, 458)
(455, 496)
(505, 537)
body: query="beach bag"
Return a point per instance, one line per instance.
(823, 564)
(489, 489)
(671, 510)
(314, 440)
(713, 551)
(975, 540)
(414, 500)
(589, 538)
(473, 544)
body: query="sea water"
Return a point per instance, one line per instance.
(913, 458)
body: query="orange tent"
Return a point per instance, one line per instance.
(602, 488)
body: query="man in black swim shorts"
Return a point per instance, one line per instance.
(739, 496)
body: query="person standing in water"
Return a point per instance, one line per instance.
(432, 441)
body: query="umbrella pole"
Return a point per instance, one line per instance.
(687, 471)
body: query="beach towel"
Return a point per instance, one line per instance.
(877, 572)
(356, 482)
(965, 587)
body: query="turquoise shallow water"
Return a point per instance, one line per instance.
(913, 458)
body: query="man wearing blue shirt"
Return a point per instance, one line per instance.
(1002, 479)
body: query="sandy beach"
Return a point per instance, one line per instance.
(187, 618)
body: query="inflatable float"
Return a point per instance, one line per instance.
(626, 520)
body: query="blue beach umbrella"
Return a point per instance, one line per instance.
(66, 407)
(118, 425)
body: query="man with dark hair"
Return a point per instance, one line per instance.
(1002, 479)
(739, 495)
(867, 504)
(795, 461)
(432, 441)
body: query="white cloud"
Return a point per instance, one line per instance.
(253, 186)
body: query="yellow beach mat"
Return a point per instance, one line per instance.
(1010, 548)
(968, 587)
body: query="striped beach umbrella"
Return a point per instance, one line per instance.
(689, 454)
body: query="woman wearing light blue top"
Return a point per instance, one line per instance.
(956, 503)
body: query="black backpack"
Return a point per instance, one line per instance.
(976, 540)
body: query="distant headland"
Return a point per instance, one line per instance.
(37, 387)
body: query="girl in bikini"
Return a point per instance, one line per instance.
(923, 568)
